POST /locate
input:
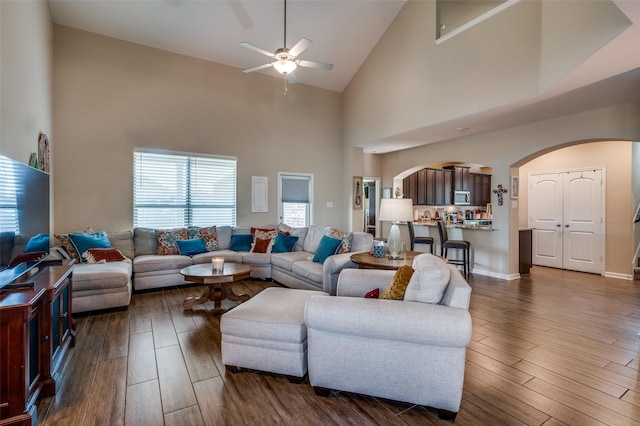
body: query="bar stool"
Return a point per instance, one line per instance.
(446, 243)
(418, 240)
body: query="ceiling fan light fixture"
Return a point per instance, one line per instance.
(285, 66)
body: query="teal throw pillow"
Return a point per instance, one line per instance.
(37, 243)
(191, 247)
(241, 242)
(284, 243)
(83, 241)
(326, 248)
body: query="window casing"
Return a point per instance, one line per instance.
(172, 190)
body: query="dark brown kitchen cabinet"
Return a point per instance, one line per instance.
(460, 178)
(410, 187)
(37, 331)
(421, 198)
(430, 187)
(448, 183)
(481, 189)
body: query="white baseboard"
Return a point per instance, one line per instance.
(617, 275)
(492, 274)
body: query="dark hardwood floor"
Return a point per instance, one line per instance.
(554, 348)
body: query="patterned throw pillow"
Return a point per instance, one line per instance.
(209, 234)
(68, 245)
(345, 237)
(260, 245)
(167, 240)
(373, 294)
(399, 284)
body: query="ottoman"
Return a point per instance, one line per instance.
(268, 333)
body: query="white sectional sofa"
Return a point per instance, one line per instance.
(104, 286)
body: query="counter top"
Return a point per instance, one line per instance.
(432, 223)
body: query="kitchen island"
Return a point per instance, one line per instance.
(480, 237)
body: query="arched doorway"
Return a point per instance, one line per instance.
(616, 160)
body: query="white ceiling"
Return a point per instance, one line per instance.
(343, 32)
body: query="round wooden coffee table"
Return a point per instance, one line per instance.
(217, 282)
(368, 261)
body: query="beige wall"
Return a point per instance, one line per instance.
(112, 96)
(26, 35)
(616, 158)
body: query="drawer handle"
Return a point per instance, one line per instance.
(45, 337)
(64, 315)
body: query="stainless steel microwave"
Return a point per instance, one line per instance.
(461, 198)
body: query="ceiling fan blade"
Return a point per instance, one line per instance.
(257, 49)
(313, 64)
(291, 78)
(241, 14)
(258, 68)
(300, 47)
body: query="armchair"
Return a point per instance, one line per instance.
(400, 350)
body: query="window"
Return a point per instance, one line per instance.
(295, 199)
(175, 190)
(8, 193)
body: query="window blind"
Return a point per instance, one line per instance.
(176, 190)
(8, 201)
(295, 189)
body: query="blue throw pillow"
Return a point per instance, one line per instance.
(83, 241)
(241, 242)
(326, 248)
(284, 243)
(191, 247)
(37, 243)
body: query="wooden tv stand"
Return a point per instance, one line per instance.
(37, 332)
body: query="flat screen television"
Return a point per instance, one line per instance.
(24, 210)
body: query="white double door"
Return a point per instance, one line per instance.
(566, 214)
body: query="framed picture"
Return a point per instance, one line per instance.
(357, 193)
(515, 186)
(259, 200)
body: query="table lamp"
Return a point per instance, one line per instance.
(395, 210)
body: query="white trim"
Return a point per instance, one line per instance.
(618, 275)
(311, 189)
(508, 277)
(475, 21)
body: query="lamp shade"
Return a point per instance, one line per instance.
(396, 209)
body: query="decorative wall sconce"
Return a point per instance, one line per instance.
(499, 193)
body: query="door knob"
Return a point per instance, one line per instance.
(558, 225)
(566, 226)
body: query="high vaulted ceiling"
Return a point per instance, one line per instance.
(343, 32)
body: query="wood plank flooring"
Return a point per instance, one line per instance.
(554, 348)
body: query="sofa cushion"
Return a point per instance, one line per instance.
(192, 247)
(399, 284)
(362, 241)
(123, 241)
(228, 255)
(224, 237)
(256, 258)
(39, 242)
(286, 260)
(88, 276)
(314, 235)
(82, 241)
(428, 283)
(153, 262)
(144, 241)
(166, 239)
(6, 243)
(308, 270)
(327, 247)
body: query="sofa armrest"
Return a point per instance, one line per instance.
(358, 282)
(412, 322)
(332, 267)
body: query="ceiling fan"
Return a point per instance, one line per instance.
(285, 60)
